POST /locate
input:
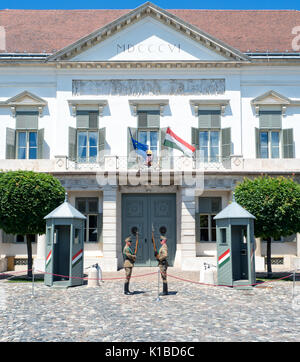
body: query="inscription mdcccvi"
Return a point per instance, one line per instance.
(139, 87)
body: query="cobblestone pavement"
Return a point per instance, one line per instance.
(191, 313)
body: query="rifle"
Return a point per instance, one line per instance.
(153, 241)
(137, 243)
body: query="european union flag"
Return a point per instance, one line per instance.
(140, 148)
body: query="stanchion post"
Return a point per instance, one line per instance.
(294, 279)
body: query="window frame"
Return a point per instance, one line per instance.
(88, 213)
(269, 132)
(209, 157)
(88, 159)
(27, 148)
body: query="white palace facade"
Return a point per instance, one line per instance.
(74, 88)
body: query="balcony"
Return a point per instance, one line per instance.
(234, 164)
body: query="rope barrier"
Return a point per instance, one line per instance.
(230, 286)
(121, 278)
(147, 274)
(16, 272)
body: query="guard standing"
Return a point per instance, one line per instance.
(129, 259)
(161, 256)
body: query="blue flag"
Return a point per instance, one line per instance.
(140, 148)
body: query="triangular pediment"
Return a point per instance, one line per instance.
(152, 34)
(271, 98)
(25, 99)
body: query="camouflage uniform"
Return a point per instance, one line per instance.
(163, 266)
(129, 259)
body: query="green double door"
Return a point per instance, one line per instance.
(142, 212)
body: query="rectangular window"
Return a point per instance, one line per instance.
(209, 145)
(22, 238)
(27, 145)
(148, 129)
(89, 207)
(87, 142)
(269, 142)
(208, 209)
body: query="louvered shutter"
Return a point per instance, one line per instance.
(270, 119)
(40, 151)
(195, 137)
(10, 143)
(226, 142)
(27, 120)
(288, 143)
(149, 119)
(72, 144)
(100, 227)
(165, 152)
(257, 142)
(87, 119)
(208, 119)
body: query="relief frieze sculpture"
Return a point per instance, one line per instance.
(148, 87)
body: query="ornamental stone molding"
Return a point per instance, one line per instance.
(25, 99)
(273, 98)
(100, 103)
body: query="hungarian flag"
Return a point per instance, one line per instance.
(174, 141)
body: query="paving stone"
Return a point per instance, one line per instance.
(194, 313)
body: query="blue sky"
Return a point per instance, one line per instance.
(166, 4)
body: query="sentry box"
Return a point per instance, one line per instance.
(235, 247)
(64, 246)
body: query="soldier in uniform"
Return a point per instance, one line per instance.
(161, 256)
(129, 259)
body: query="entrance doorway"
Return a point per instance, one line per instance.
(61, 253)
(239, 252)
(142, 212)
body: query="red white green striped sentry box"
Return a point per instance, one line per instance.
(76, 258)
(224, 258)
(48, 259)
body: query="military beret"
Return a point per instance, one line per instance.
(128, 239)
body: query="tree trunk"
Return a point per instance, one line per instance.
(29, 256)
(269, 265)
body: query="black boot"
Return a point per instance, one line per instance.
(126, 289)
(165, 289)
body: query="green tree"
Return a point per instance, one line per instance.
(26, 197)
(275, 202)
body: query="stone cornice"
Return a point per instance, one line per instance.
(74, 103)
(197, 103)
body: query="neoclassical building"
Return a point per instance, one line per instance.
(77, 87)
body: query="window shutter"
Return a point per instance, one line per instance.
(165, 152)
(101, 145)
(149, 119)
(10, 143)
(195, 137)
(288, 143)
(131, 154)
(204, 205)
(226, 142)
(40, 151)
(153, 119)
(87, 119)
(270, 119)
(72, 144)
(27, 120)
(257, 142)
(209, 119)
(197, 226)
